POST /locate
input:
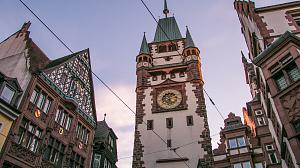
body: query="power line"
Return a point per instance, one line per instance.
(114, 93)
(126, 157)
(107, 86)
(212, 102)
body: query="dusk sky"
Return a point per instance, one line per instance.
(113, 29)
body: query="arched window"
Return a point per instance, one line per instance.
(193, 52)
(144, 59)
(140, 59)
(162, 48)
(188, 52)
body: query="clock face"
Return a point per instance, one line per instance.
(169, 99)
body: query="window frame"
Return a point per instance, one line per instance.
(150, 125)
(280, 72)
(27, 135)
(43, 103)
(12, 90)
(169, 122)
(63, 118)
(237, 142)
(189, 120)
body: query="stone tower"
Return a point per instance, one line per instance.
(171, 128)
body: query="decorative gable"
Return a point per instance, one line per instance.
(72, 76)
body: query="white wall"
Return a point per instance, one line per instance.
(180, 134)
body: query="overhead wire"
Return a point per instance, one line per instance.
(126, 157)
(102, 81)
(153, 17)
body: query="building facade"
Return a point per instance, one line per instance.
(170, 105)
(272, 37)
(238, 148)
(105, 147)
(58, 118)
(10, 93)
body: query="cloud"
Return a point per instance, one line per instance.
(119, 118)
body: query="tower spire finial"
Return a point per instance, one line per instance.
(166, 10)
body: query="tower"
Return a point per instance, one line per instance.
(171, 120)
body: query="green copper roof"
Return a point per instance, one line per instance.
(275, 45)
(188, 41)
(144, 47)
(169, 26)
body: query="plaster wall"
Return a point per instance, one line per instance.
(277, 21)
(180, 134)
(168, 76)
(14, 62)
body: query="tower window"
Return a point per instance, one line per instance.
(154, 78)
(189, 120)
(169, 122)
(193, 52)
(162, 49)
(144, 59)
(172, 47)
(149, 124)
(140, 59)
(163, 76)
(173, 75)
(181, 74)
(169, 143)
(188, 52)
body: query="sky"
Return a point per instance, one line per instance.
(113, 30)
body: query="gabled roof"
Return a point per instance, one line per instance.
(12, 81)
(276, 45)
(76, 69)
(189, 43)
(61, 60)
(167, 26)
(102, 131)
(144, 46)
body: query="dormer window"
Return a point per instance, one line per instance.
(111, 143)
(7, 94)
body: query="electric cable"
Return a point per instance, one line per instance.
(102, 81)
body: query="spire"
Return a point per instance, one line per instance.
(166, 10)
(189, 41)
(144, 47)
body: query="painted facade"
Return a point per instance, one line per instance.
(272, 36)
(58, 118)
(10, 93)
(171, 119)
